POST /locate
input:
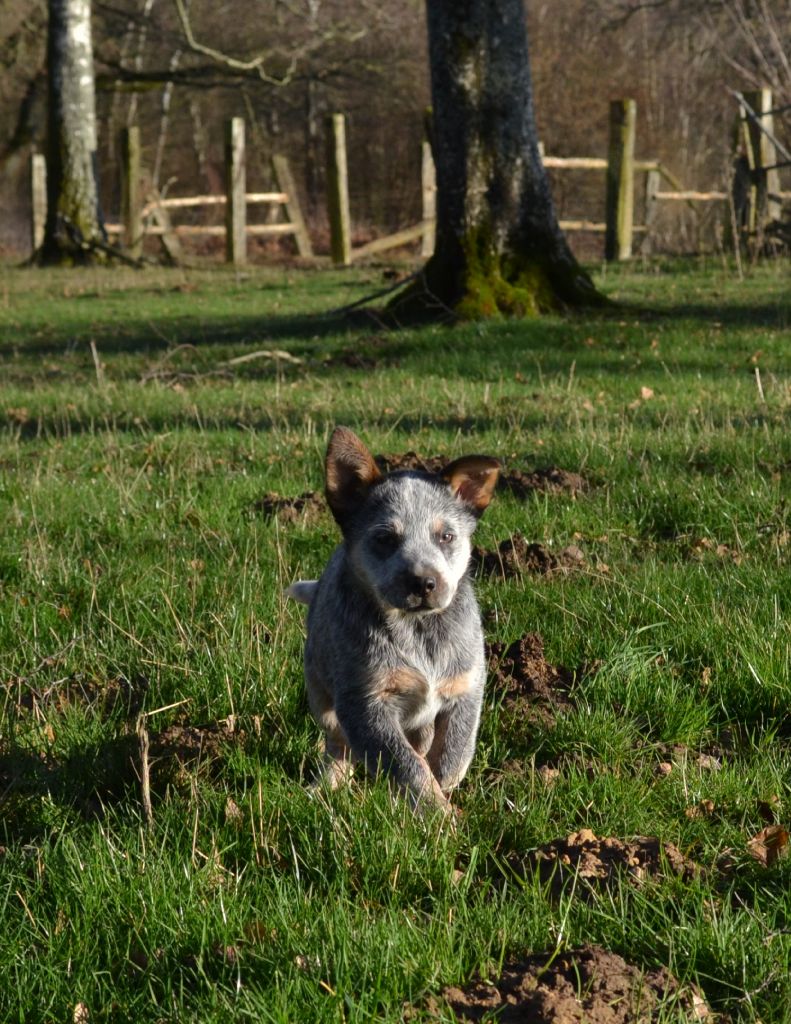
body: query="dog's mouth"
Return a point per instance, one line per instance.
(416, 603)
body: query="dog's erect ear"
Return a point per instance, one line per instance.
(349, 472)
(472, 478)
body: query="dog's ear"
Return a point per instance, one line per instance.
(349, 472)
(472, 478)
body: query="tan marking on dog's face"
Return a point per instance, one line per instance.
(455, 686)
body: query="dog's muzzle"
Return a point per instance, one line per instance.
(425, 592)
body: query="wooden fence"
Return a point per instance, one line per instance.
(760, 206)
(152, 217)
(755, 198)
(150, 214)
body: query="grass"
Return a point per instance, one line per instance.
(138, 575)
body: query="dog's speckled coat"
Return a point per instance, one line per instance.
(394, 661)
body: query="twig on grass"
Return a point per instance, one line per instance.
(160, 372)
(145, 771)
(263, 353)
(100, 378)
(341, 310)
(759, 385)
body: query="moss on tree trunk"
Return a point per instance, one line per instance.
(500, 250)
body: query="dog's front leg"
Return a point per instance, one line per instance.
(455, 731)
(377, 739)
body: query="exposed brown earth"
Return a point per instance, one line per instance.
(590, 985)
(532, 686)
(552, 480)
(515, 556)
(305, 508)
(582, 855)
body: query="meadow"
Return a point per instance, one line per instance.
(161, 858)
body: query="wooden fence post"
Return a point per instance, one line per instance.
(620, 180)
(653, 182)
(236, 188)
(338, 191)
(168, 237)
(38, 197)
(765, 204)
(428, 176)
(131, 209)
(284, 180)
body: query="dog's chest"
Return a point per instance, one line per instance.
(430, 676)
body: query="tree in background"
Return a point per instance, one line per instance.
(499, 248)
(73, 224)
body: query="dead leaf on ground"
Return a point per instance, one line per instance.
(704, 809)
(769, 845)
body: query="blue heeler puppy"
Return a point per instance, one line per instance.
(394, 660)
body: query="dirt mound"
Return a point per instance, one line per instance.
(305, 508)
(411, 460)
(529, 682)
(551, 480)
(601, 861)
(515, 556)
(583, 986)
(179, 751)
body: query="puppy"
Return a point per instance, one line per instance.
(394, 660)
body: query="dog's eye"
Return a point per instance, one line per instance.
(385, 541)
(446, 537)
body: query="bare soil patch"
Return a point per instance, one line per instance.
(181, 750)
(532, 687)
(515, 556)
(552, 480)
(411, 460)
(600, 862)
(304, 508)
(190, 743)
(590, 985)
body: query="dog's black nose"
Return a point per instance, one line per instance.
(424, 585)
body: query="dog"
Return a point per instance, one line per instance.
(394, 658)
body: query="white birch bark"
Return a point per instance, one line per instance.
(72, 214)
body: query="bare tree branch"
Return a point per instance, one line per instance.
(256, 64)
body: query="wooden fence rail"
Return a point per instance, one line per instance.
(152, 216)
(756, 205)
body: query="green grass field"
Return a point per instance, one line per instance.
(141, 582)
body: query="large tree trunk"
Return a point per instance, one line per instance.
(499, 248)
(73, 221)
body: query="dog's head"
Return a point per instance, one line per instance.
(407, 533)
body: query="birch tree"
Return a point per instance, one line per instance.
(499, 248)
(73, 223)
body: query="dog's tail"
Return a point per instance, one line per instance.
(302, 590)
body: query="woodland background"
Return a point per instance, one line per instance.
(677, 58)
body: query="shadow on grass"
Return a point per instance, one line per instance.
(42, 788)
(759, 316)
